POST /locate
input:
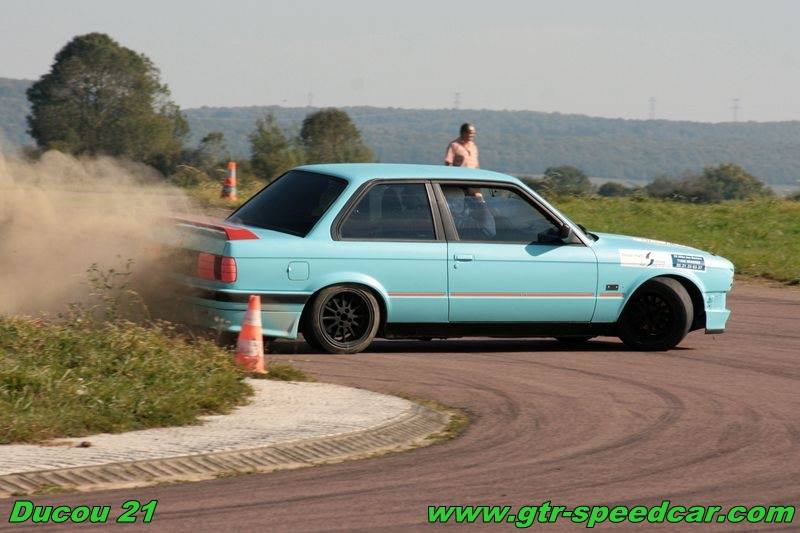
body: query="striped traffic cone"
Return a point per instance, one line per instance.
(229, 187)
(250, 346)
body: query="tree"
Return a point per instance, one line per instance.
(102, 98)
(662, 187)
(540, 185)
(329, 136)
(211, 151)
(567, 180)
(715, 184)
(613, 188)
(272, 153)
(729, 182)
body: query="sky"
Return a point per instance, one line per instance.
(605, 58)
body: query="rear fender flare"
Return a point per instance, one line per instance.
(339, 278)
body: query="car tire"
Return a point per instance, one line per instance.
(658, 315)
(311, 340)
(344, 319)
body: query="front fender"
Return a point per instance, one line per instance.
(610, 303)
(672, 273)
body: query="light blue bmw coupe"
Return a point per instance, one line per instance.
(346, 253)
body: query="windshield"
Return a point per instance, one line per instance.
(293, 203)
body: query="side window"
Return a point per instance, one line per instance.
(392, 211)
(496, 215)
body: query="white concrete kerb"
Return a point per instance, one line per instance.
(279, 412)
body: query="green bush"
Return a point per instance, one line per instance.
(714, 184)
(188, 176)
(567, 181)
(612, 188)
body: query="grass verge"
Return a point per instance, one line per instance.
(284, 371)
(761, 237)
(76, 376)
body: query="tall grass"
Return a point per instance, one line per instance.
(93, 370)
(107, 366)
(207, 193)
(77, 376)
(761, 237)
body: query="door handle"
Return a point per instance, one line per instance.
(464, 257)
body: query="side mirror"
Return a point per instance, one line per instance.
(557, 235)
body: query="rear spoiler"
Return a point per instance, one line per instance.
(232, 232)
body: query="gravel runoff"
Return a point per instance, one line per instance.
(279, 412)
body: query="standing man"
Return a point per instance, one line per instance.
(463, 152)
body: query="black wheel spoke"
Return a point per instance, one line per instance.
(345, 318)
(651, 315)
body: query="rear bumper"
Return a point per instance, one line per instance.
(225, 310)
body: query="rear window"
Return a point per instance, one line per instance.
(293, 203)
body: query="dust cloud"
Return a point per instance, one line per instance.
(61, 214)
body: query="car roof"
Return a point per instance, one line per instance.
(361, 172)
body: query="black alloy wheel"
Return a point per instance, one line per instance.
(658, 315)
(344, 319)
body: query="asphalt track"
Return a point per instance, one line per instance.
(714, 422)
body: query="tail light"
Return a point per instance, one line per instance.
(227, 269)
(216, 267)
(205, 265)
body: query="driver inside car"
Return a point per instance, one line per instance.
(472, 217)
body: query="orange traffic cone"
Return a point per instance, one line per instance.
(229, 187)
(250, 346)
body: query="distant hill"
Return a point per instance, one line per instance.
(521, 142)
(13, 109)
(527, 142)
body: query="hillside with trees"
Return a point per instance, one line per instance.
(521, 142)
(527, 142)
(14, 107)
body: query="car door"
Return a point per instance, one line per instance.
(506, 262)
(391, 233)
